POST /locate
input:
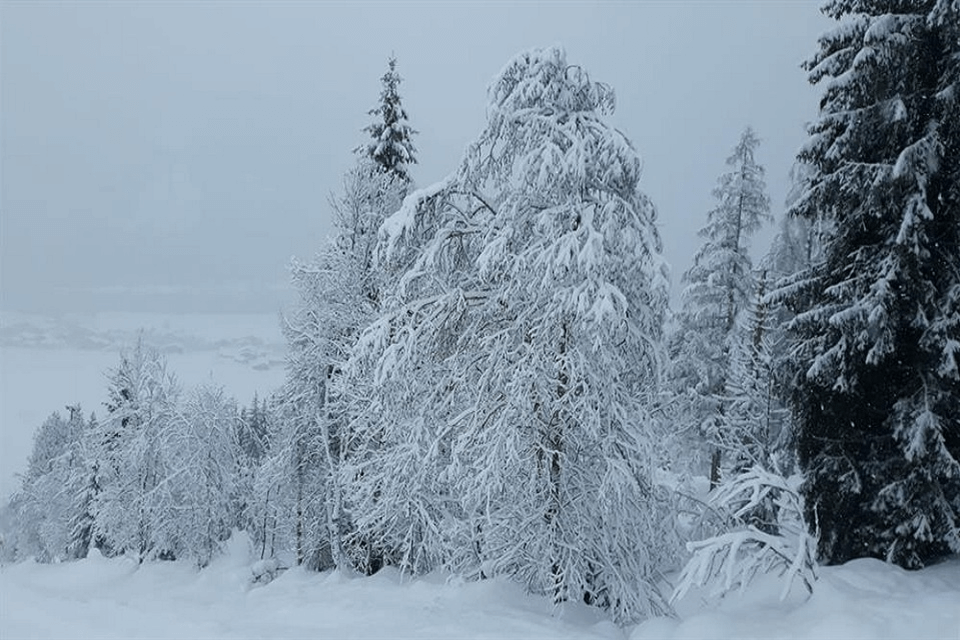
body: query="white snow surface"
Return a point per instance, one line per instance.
(116, 598)
(864, 598)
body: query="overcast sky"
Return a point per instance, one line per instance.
(175, 155)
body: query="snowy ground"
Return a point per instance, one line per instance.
(864, 598)
(99, 598)
(49, 362)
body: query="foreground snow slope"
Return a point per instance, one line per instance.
(99, 598)
(864, 598)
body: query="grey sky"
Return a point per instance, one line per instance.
(192, 146)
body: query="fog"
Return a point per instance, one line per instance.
(174, 156)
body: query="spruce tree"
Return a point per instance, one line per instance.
(877, 382)
(391, 145)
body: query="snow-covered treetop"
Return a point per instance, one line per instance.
(530, 81)
(537, 96)
(743, 205)
(718, 282)
(391, 146)
(544, 141)
(54, 438)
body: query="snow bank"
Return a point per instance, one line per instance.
(115, 598)
(861, 599)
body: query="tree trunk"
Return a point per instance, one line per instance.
(555, 448)
(715, 469)
(334, 503)
(266, 507)
(299, 544)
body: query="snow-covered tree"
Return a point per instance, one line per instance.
(798, 243)
(253, 430)
(754, 421)
(194, 508)
(86, 486)
(142, 399)
(391, 145)
(46, 507)
(877, 385)
(339, 293)
(55, 437)
(761, 375)
(718, 288)
(508, 431)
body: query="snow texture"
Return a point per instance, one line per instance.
(103, 599)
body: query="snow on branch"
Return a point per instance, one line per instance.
(767, 533)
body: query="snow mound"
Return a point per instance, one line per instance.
(116, 598)
(861, 599)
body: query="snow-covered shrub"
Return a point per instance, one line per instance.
(266, 571)
(766, 532)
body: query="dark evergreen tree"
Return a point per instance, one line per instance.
(391, 147)
(252, 430)
(876, 390)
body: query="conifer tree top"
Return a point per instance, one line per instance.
(723, 262)
(391, 145)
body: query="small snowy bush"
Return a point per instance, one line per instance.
(766, 532)
(266, 571)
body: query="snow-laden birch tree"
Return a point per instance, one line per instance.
(195, 506)
(509, 429)
(142, 399)
(339, 293)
